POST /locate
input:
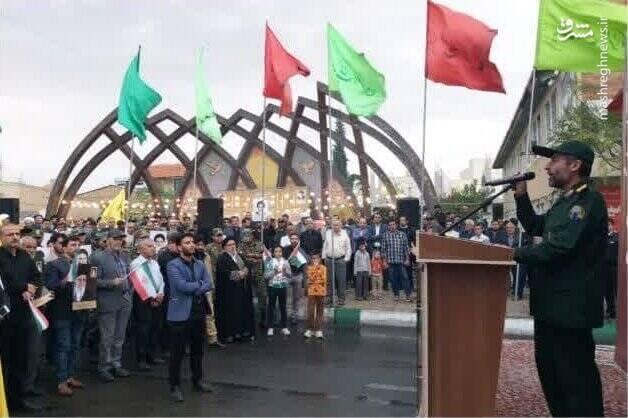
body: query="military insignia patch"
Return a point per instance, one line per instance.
(576, 213)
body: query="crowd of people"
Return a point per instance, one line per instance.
(160, 285)
(196, 288)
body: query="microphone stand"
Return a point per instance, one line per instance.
(483, 205)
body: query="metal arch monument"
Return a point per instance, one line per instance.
(302, 164)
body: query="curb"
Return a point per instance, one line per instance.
(352, 317)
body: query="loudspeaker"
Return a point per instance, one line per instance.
(410, 207)
(11, 207)
(498, 211)
(210, 214)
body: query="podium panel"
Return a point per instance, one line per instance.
(464, 286)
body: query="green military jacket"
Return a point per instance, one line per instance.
(214, 251)
(251, 252)
(564, 289)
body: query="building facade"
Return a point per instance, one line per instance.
(554, 94)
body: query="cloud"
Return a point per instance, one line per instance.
(65, 72)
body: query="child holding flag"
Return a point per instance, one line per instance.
(298, 262)
(278, 273)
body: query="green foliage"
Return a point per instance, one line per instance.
(585, 123)
(470, 195)
(338, 154)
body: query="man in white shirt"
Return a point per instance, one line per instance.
(336, 253)
(147, 313)
(479, 236)
(453, 233)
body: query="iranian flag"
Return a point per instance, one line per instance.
(73, 272)
(268, 259)
(296, 259)
(144, 282)
(40, 319)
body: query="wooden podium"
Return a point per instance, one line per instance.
(464, 287)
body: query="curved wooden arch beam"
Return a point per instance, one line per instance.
(209, 146)
(165, 143)
(414, 161)
(291, 144)
(246, 150)
(430, 191)
(364, 174)
(324, 162)
(407, 156)
(73, 160)
(321, 106)
(118, 143)
(253, 141)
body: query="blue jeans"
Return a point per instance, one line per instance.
(67, 336)
(398, 277)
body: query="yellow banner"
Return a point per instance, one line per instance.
(4, 410)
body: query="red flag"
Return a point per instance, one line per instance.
(279, 66)
(458, 50)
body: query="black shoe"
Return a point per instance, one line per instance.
(218, 344)
(176, 394)
(142, 366)
(106, 376)
(201, 387)
(27, 405)
(35, 392)
(156, 361)
(121, 372)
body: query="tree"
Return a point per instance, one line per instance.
(338, 154)
(470, 195)
(585, 123)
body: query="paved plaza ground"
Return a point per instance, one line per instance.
(519, 390)
(366, 372)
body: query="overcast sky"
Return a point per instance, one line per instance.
(62, 63)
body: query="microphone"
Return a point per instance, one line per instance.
(511, 180)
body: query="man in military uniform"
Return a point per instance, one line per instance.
(251, 249)
(565, 294)
(214, 249)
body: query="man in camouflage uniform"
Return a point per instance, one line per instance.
(214, 249)
(251, 249)
(565, 294)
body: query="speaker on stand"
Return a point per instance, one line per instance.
(210, 214)
(10, 206)
(410, 208)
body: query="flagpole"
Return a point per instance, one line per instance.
(329, 197)
(263, 167)
(423, 150)
(195, 164)
(526, 156)
(195, 168)
(128, 198)
(128, 208)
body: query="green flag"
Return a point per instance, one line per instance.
(580, 35)
(206, 121)
(137, 99)
(360, 85)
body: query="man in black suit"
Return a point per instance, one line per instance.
(608, 270)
